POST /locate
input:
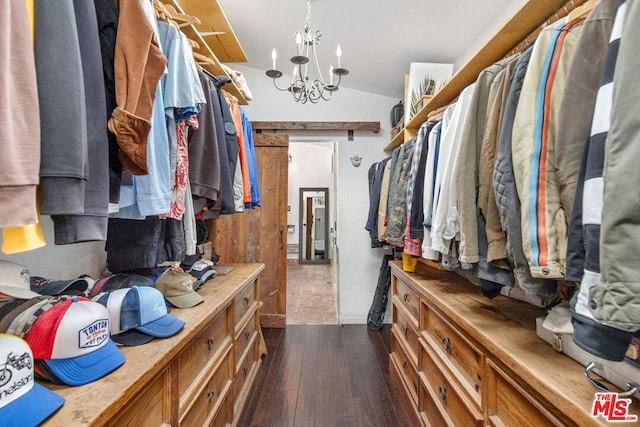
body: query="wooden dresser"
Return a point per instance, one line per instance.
(201, 376)
(465, 360)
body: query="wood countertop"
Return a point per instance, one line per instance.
(97, 402)
(506, 329)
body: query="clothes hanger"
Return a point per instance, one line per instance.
(581, 11)
(202, 59)
(181, 19)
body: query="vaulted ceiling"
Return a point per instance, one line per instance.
(378, 38)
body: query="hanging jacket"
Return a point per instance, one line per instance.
(414, 233)
(467, 178)
(430, 173)
(64, 159)
(91, 225)
(204, 158)
(544, 226)
(230, 140)
(251, 160)
(376, 172)
(590, 334)
(416, 213)
(506, 194)
(578, 99)
(382, 205)
(20, 140)
(397, 219)
(107, 15)
(615, 300)
(445, 223)
(496, 240)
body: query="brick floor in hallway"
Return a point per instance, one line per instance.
(311, 295)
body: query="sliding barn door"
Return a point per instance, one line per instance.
(260, 235)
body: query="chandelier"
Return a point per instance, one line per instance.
(307, 83)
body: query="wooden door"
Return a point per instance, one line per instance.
(309, 228)
(259, 235)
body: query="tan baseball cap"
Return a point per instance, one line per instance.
(177, 288)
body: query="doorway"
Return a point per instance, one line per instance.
(311, 288)
(314, 228)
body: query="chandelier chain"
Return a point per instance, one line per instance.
(308, 27)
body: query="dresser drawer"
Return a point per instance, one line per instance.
(245, 369)
(450, 397)
(406, 330)
(405, 368)
(202, 350)
(225, 414)
(209, 396)
(407, 296)
(146, 408)
(243, 302)
(244, 339)
(508, 404)
(462, 358)
(430, 411)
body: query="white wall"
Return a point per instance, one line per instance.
(507, 12)
(358, 262)
(62, 262)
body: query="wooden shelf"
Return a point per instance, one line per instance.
(212, 19)
(526, 20)
(395, 142)
(204, 48)
(367, 126)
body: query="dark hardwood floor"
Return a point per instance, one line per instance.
(326, 375)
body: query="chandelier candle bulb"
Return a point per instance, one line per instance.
(331, 75)
(299, 43)
(339, 55)
(274, 55)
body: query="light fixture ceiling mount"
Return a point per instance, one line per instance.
(307, 84)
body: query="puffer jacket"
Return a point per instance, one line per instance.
(506, 194)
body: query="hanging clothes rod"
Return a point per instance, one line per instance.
(560, 13)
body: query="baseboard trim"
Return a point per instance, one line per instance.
(359, 320)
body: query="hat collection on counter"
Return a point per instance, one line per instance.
(69, 331)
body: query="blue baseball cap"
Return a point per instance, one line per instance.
(141, 315)
(22, 401)
(72, 339)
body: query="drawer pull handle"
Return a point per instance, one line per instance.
(246, 301)
(633, 388)
(247, 335)
(404, 363)
(443, 392)
(210, 395)
(210, 344)
(446, 343)
(406, 298)
(405, 330)
(245, 370)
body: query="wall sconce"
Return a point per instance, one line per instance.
(355, 160)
